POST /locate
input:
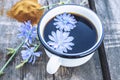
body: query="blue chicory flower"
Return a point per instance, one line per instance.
(28, 32)
(60, 41)
(65, 22)
(30, 55)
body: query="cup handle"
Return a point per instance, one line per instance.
(53, 64)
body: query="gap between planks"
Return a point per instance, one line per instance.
(101, 51)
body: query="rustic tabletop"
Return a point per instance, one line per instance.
(104, 65)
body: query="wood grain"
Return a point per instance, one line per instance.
(109, 14)
(101, 51)
(8, 30)
(8, 38)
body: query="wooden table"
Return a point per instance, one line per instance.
(104, 65)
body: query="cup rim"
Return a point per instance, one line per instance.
(74, 55)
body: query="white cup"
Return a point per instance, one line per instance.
(69, 60)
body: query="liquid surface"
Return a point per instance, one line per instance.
(84, 34)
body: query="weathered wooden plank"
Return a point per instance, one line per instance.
(89, 71)
(8, 38)
(101, 51)
(109, 13)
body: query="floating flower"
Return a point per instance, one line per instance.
(65, 22)
(60, 41)
(30, 55)
(28, 32)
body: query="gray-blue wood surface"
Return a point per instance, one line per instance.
(109, 13)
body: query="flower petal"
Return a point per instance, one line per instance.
(71, 44)
(65, 35)
(64, 21)
(59, 35)
(30, 59)
(37, 54)
(34, 59)
(27, 31)
(68, 46)
(25, 55)
(51, 38)
(69, 39)
(51, 43)
(65, 49)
